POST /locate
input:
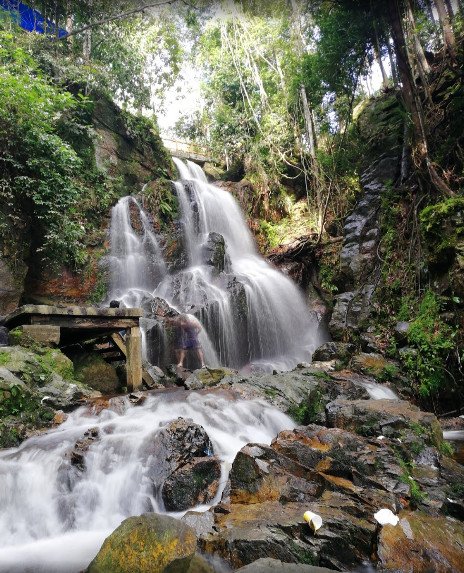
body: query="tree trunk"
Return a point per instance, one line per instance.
(394, 70)
(423, 65)
(449, 7)
(449, 41)
(429, 9)
(411, 98)
(309, 122)
(378, 54)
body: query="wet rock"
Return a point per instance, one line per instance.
(369, 342)
(197, 565)
(401, 331)
(422, 543)
(201, 521)
(81, 447)
(149, 543)
(390, 418)
(156, 306)
(4, 336)
(206, 377)
(180, 450)
(59, 418)
(194, 483)
(214, 253)
(351, 312)
(62, 394)
(274, 566)
(137, 398)
(153, 377)
(301, 393)
(334, 351)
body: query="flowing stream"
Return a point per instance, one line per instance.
(253, 316)
(54, 518)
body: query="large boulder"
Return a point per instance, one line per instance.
(206, 377)
(194, 483)
(149, 543)
(48, 373)
(391, 418)
(302, 393)
(340, 476)
(185, 471)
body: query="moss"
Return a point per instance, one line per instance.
(53, 360)
(442, 226)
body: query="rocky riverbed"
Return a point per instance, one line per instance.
(349, 455)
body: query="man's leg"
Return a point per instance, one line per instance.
(201, 357)
(181, 355)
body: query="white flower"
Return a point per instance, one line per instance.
(314, 520)
(386, 516)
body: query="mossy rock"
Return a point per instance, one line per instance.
(148, 543)
(93, 371)
(205, 377)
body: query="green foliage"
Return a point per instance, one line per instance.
(446, 448)
(326, 276)
(417, 496)
(39, 166)
(300, 412)
(434, 340)
(307, 412)
(270, 233)
(15, 400)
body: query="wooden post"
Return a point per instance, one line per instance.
(134, 358)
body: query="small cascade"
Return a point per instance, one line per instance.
(55, 515)
(252, 315)
(136, 261)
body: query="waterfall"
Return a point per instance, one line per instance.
(54, 519)
(253, 315)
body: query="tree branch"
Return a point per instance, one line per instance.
(117, 17)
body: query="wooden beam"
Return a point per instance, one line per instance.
(118, 340)
(134, 358)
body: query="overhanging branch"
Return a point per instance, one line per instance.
(120, 16)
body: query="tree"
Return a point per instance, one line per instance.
(449, 41)
(411, 97)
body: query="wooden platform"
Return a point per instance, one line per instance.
(82, 323)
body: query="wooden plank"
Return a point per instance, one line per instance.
(94, 322)
(119, 342)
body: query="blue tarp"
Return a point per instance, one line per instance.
(30, 19)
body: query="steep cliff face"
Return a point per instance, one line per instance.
(123, 153)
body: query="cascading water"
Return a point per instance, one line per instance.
(54, 518)
(252, 314)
